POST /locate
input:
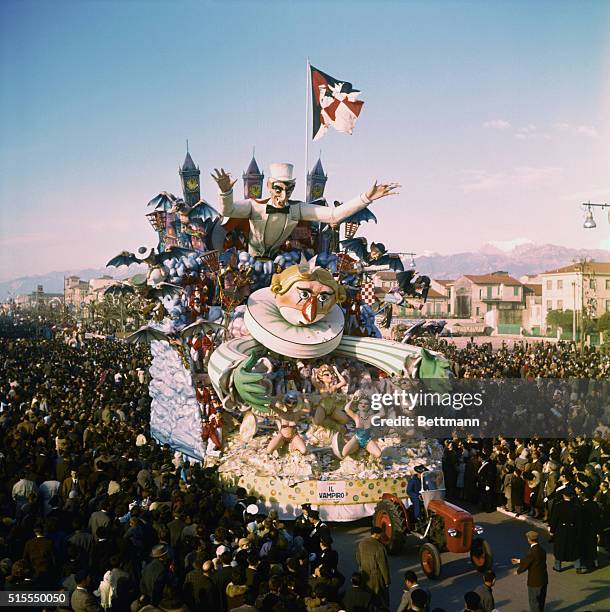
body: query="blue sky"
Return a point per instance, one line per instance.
(494, 116)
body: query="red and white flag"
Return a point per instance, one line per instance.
(335, 103)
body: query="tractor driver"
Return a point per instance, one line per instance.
(414, 488)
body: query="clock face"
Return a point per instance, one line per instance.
(255, 190)
(316, 191)
(192, 184)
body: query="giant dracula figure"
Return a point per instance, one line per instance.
(273, 220)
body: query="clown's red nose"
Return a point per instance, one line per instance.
(310, 309)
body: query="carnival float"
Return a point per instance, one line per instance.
(266, 351)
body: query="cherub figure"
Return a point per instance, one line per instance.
(288, 411)
(363, 433)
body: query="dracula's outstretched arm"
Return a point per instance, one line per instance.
(338, 214)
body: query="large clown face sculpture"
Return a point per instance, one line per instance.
(305, 295)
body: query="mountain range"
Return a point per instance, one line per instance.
(528, 258)
(53, 282)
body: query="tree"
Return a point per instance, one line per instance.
(560, 318)
(603, 324)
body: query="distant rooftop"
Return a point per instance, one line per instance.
(599, 267)
(495, 278)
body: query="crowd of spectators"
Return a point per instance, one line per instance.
(90, 504)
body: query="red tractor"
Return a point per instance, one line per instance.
(442, 527)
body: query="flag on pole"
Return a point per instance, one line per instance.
(335, 103)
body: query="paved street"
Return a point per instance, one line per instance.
(567, 591)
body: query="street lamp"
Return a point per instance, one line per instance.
(412, 262)
(589, 220)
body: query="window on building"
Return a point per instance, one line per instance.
(478, 311)
(437, 308)
(591, 283)
(607, 305)
(549, 285)
(608, 283)
(515, 290)
(559, 284)
(489, 290)
(559, 304)
(549, 304)
(480, 293)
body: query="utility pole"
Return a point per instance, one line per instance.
(574, 312)
(582, 266)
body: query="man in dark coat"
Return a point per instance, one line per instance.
(200, 592)
(534, 563)
(372, 560)
(319, 529)
(302, 524)
(223, 576)
(591, 526)
(155, 576)
(414, 488)
(566, 528)
(357, 598)
(486, 481)
(39, 555)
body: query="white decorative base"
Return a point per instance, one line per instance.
(174, 411)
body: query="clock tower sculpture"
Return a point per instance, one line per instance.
(253, 181)
(189, 173)
(316, 181)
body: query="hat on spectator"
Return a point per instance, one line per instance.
(532, 535)
(158, 551)
(252, 509)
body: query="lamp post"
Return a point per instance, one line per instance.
(589, 220)
(412, 255)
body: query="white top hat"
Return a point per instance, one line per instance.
(281, 172)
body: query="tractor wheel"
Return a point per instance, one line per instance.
(480, 555)
(390, 519)
(430, 560)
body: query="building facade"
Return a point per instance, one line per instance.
(582, 286)
(75, 292)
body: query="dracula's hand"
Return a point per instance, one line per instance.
(515, 561)
(381, 190)
(223, 180)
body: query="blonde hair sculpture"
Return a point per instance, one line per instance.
(281, 283)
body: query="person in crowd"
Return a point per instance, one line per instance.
(534, 563)
(372, 559)
(485, 591)
(411, 584)
(357, 598)
(566, 529)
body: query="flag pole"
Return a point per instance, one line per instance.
(307, 112)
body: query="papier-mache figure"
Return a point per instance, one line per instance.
(273, 220)
(363, 434)
(328, 382)
(288, 414)
(298, 315)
